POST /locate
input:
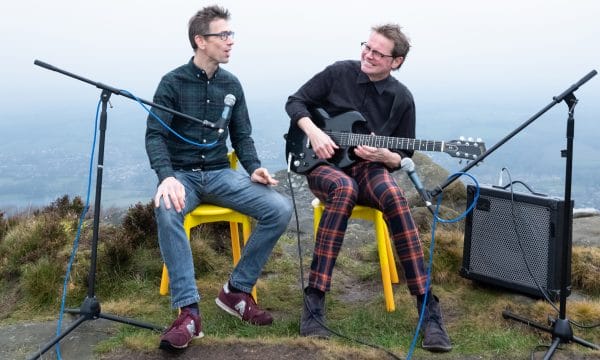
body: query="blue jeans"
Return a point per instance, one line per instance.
(231, 189)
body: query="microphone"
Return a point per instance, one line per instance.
(226, 114)
(408, 165)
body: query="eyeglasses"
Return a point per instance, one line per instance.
(376, 54)
(223, 35)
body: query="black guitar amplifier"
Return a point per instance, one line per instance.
(516, 244)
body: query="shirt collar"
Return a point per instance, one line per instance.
(199, 72)
(379, 85)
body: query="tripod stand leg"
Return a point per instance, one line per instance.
(585, 343)
(508, 315)
(561, 332)
(58, 338)
(131, 322)
(552, 349)
(90, 310)
(118, 319)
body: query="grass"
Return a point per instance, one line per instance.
(129, 267)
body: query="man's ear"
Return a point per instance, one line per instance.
(396, 62)
(200, 42)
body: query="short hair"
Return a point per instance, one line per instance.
(200, 23)
(394, 33)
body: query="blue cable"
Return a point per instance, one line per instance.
(167, 126)
(471, 206)
(76, 242)
(431, 247)
(87, 202)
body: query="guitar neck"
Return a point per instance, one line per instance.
(351, 139)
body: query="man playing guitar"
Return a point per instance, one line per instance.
(365, 86)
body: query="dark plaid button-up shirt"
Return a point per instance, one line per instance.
(188, 90)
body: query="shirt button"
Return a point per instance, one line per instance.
(204, 141)
(203, 156)
(207, 101)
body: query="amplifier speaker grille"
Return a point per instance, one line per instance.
(515, 246)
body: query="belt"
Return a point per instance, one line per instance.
(203, 167)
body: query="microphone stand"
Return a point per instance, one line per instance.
(90, 308)
(560, 328)
(112, 90)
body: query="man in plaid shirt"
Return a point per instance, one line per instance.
(192, 168)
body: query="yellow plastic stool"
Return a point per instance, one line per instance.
(208, 213)
(389, 274)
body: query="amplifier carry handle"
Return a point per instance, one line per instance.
(522, 183)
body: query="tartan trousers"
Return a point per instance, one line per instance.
(370, 184)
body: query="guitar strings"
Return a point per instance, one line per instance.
(350, 139)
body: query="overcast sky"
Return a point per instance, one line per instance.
(461, 49)
(475, 67)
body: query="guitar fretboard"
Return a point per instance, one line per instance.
(351, 139)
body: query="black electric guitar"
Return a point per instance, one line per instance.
(350, 129)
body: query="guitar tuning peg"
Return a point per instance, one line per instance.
(470, 139)
(462, 138)
(479, 140)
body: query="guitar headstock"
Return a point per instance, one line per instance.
(465, 148)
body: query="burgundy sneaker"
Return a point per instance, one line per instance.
(243, 306)
(186, 327)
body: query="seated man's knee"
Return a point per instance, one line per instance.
(394, 196)
(164, 215)
(283, 210)
(346, 188)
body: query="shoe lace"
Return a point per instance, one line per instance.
(181, 318)
(317, 312)
(252, 305)
(433, 317)
(252, 302)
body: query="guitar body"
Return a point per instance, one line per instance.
(303, 157)
(349, 130)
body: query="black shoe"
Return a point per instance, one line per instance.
(435, 337)
(313, 315)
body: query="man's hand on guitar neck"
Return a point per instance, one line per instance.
(382, 155)
(320, 142)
